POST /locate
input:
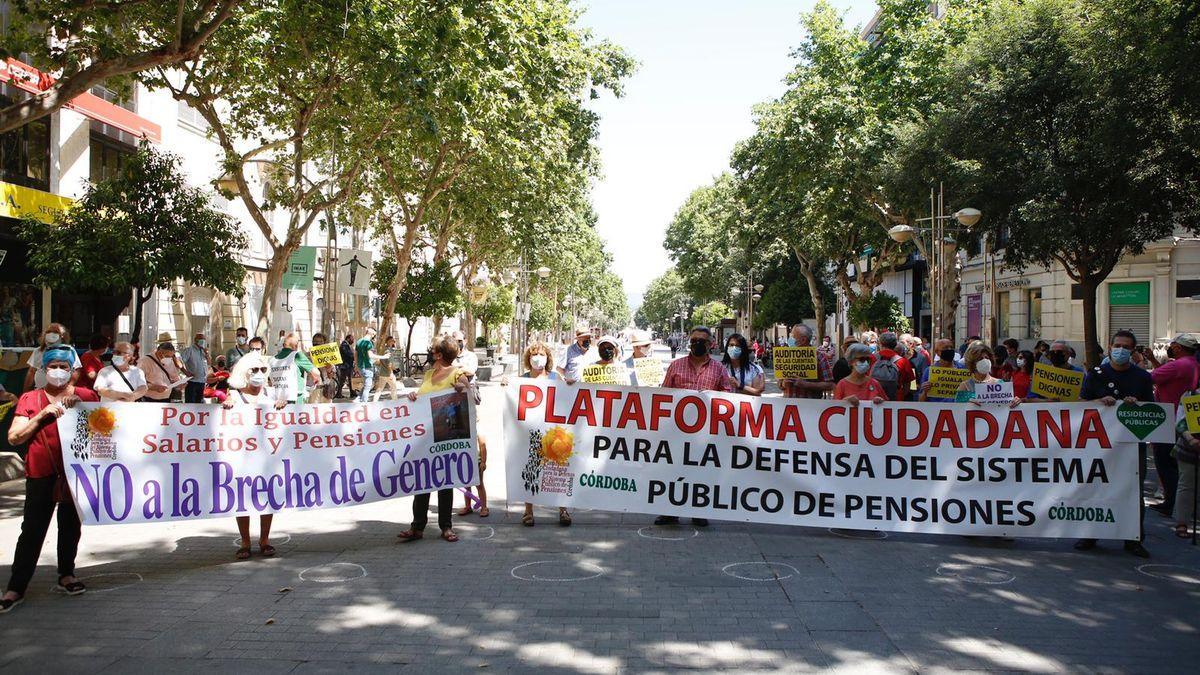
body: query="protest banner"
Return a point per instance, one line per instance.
(327, 354)
(1053, 470)
(146, 462)
(649, 371)
(1191, 411)
(993, 393)
(1056, 384)
(613, 373)
(943, 382)
(795, 363)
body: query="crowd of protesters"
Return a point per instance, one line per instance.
(868, 369)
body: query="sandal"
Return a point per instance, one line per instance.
(243, 553)
(1181, 531)
(449, 536)
(266, 551)
(564, 518)
(73, 588)
(411, 535)
(464, 511)
(6, 605)
(484, 512)
(527, 520)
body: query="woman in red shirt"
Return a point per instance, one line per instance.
(858, 385)
(1022, 376)
(35, 421)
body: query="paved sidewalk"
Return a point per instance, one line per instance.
(610, 594)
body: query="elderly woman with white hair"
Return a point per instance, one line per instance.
(248, 387)
(859, 385)
(123, 380)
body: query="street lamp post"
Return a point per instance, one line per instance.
(938, 258)
(522, 274)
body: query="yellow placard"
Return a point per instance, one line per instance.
(1191, 412)
(1056, 384)
(649, 371)
(795, 363)
(943, 381)
(613, 373)
(17, 202)
(327, 354)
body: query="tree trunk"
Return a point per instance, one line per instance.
(135, 334)
(275, 269)
(1091, 345)
(814, 293)
(437, 325)
(408, 343)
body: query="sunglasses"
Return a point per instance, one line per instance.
(258, 370)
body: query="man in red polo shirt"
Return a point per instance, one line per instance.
(699, 372)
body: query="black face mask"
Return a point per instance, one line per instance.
(1058, 358)
(946, 355)
(606, 353)
(585, 345)
(699, 347)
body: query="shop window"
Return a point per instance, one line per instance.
(1033, 319)
(1003, 318)
(25, 154)
(20, 315)
(1187, 288)
(108, 157)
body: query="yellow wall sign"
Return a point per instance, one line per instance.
(1191, 411)
(613, 373)
(1056, 384)
(327, 354)
(18, 202)
(795, 363)
(943, 381)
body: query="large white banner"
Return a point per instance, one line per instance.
(148, 462)
(1051, 470)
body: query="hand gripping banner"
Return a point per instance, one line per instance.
(147, 462)
(1051, 470)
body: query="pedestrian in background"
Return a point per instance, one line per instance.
(1022, 376)
(365, 359)
(892, 370)
(1179, 374)
(745, 376)
(943, 349)
(578, 355)
(55, 335)
(162, 371)
(290, 371)
(345, 370)
(195, 366)
(798, 388)
(92, 361)
(121, 380)
(241, 339)
(841, 367)
(35, 422)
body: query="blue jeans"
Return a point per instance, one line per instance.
(368, 375)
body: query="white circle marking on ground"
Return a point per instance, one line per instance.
(642, 533)
(534, 577)
(126, 579)
(274, 541)
(1188, 575)
(491, 532)
(333, 573)
(858, 534)
(976, 574)
(774, 576)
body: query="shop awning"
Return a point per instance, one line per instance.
(17, 202)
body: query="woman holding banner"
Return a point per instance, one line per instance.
(539, 364)
(745, 376)
(35, 422)
(859, 385)
(248, 386)
(978, 358)
(443, 376)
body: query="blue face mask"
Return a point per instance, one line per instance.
(734, 352)
(862, 366)
(791, 342)
(874, 349)
(1120, 355)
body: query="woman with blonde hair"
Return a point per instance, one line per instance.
(538, 360)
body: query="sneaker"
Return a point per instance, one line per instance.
(666, 520)
(7, 605)
(700, 522)
(1136, 548)
(1085, 544)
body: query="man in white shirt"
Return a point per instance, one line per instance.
(122, 381)
(195, 363)
(467, 359)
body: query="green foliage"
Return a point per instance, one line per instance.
(705, 240)
(882, 311)
(143, 229)
(785, 297)
(664, 298)
(711, 313)
(496, 309)
(430, 291)
(541, 311)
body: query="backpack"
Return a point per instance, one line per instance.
(888, 375)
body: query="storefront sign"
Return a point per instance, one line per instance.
(1129, 293)
(1053, 470)
(795, 363)
(17, 202)
(974, 314)
(149, 462)
(1056, 384)
(301, 267)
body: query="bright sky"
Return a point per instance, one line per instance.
(704, 64)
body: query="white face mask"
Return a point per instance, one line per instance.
(538, 361)
(258, 379)
(983, 366)
(58, 376)
(1020, 363)
(53, 338)
(118, 360)
(242, 339)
